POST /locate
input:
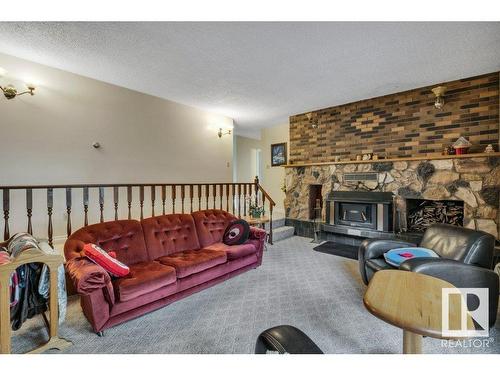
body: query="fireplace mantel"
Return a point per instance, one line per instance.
(412, 158)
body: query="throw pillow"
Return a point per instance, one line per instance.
(236, 233)
(102, 258)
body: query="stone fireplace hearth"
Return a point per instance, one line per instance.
(473, 182)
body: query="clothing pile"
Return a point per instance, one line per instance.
(30, 283)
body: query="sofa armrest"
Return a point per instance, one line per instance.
(460, 275)
(257, 234)
(88, 277)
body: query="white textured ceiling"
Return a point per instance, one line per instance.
(261, 73)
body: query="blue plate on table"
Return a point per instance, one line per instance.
(397, 256)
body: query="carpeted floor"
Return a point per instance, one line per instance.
(319, 293)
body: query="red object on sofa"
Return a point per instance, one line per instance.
(169, 256)
(106, 260)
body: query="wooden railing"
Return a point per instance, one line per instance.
(163, 198)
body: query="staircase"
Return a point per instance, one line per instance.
(280, 230)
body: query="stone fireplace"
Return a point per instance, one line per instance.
(469, 183)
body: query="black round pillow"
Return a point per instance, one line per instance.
(236, 233)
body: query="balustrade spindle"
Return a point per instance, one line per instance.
(115, 200)
(239, 200)
(245, 200)
(182, 197)
(101, 204)
(50, 205)
(214, 194)
(129, 201)
(199, 197)
(85, 206)
(270, 239)
(141, 200)
(174, 193)
(68, 211)
(191, 191)
(221, 193)
(233, 193)
(207, 194)
(163, 197)
(227, 197)
(29, 208)
(153, 197)
(6, 209)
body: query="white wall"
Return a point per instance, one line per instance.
(272, 177)
(47, 138)
(245, 158)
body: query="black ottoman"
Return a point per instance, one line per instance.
(285, 339)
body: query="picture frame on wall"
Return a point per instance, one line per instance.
(278, 154)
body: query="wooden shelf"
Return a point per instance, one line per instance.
(409, 158)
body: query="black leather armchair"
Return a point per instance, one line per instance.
(450, 242)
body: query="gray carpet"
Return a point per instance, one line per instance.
(319, 293)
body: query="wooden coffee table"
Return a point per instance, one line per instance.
(412, 302)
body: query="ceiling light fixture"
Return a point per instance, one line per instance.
(439, 92)
(10, 92)
(220, 133)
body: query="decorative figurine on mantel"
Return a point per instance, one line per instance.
(449, 150)
(461, 145)
(489, 149)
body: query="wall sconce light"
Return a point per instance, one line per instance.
(10, 92)
(314, 125)
(439, 92)
(220, 133)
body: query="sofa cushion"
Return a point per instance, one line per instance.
(168, 234)
(124, 237)
(143, 278)
(234, 251)
(192, 261)
(211, 224)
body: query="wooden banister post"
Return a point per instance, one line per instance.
(256, 182)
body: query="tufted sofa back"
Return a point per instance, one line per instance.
(151, 238)
(125, 237)
(210, 225)
(169, 234)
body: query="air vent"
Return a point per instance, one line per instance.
(360, 176)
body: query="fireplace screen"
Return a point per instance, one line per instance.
(356, 214)
(423, 213)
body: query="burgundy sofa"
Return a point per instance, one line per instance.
(170, 257)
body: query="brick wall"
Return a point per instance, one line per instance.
(402, 124)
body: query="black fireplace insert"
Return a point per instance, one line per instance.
(360, 209)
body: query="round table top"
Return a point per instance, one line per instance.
(412, 301)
